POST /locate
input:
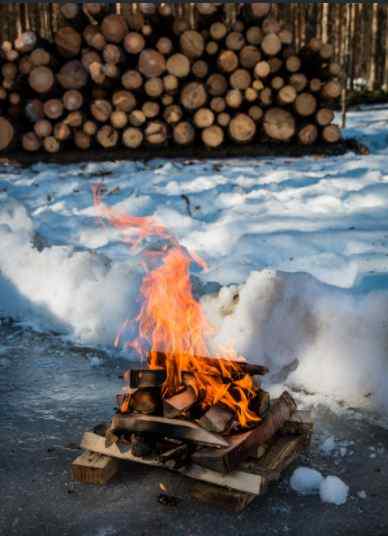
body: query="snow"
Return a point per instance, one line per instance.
(333, 490)
(297, 252)
(306, 481)
(328, 446)
(362, 494)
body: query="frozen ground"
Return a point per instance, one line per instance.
(297, 252)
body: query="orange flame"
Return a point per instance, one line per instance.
(172, 326)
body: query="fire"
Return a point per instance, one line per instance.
(172, 326)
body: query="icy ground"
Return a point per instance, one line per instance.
(297, 252)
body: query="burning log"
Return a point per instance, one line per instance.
(216, 419)
(179, 404)
(240, 446)
(174, 428)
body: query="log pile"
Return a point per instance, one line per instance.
(158, 75)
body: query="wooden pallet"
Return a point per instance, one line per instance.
(232, 491)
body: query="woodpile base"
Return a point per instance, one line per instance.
(232, 491)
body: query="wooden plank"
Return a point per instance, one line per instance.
(240, 446)
(300, 423)
(237, 480)
(173, 428)
(227, 499)
(93, 468)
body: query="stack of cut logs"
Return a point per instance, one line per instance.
(160, 74)
(211, 437)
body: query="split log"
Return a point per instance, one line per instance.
(331, 134)
(68, 42)
(41, 79)
(178, 65)
(240, 446)
(114, 28)
(242, 128)
(74, 119)
(308, 134)
(212, 136)
(156, 133)
(192, 44)
(151, 63)
(193, 95)
(184, 133)
(179, 404)
(30, 142)
(132, 137)
(107, 136)
(6, 133)
(72, 75)
(279, 124)
(172, 428)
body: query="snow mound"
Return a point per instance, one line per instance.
(333, 490)
(306, 481)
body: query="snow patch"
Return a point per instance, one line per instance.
(333, 490)
(306, 481)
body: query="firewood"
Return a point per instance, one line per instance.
(235, 41)
(146, 30)
(26, 42)
(124, 100)
(51, 144)
(146, 401)
(254, 35)
(314, 44)
(172, 428)
(97, 73)
(89, 32)
(178, 65)
(262, 69)
(216, 419)
(70, 10)
(277, 83)
(227, 61)
(240, 446)
(154, 87)
(82, 140)
(112, 54)
(114, 28)
(203, 118)
(72, 100)
(260, 9)
(298, 81)
(324, 117)
(134, 43)
(305, 104)
(334, 69)
(286, 36)
(200, 69)
(249, 56)
(111, 70)
(6, 133)
(258, 85)
(14, 98)
(151, 63)
(256, 113)
(261, 403)
(275, 64)
(68, 42)
(308, 134)
(271, 44)
(250, 94)
(218, 31)
(89, 57)
(293, 64)
(9, 70)
(223, 119)
(164, 46)
(183, 133)
(206, 8)
(3, 93)
(74, 119)
(331, 90)
(137, 118)
(177, 405)
(107, 136)
(331, 134)
(72, 75)
(287, 95)
(233, 98)
(43, 128)
(155, 132)
(118, 119)
(151, 109)
(326, 51)
(62, 131)
(132, 137)
(279, 124)
(41, 79)
(90, 128)
(165, 10)
(101, 110)
(265, 96)
(300, 423)
(240, 79)
(98, 41)
(34, 110)
(193, 95)
(242, 128)
(25, 65)
(192, 44)
(173, 114)
(170, 83)
(132, 80)
(31, 142)
(212, 48)
(218, 104)
(94, 468)
(216, 85)
(11, 55)
(180, 25)
(53, 108)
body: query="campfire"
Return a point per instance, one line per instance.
(191, 407)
